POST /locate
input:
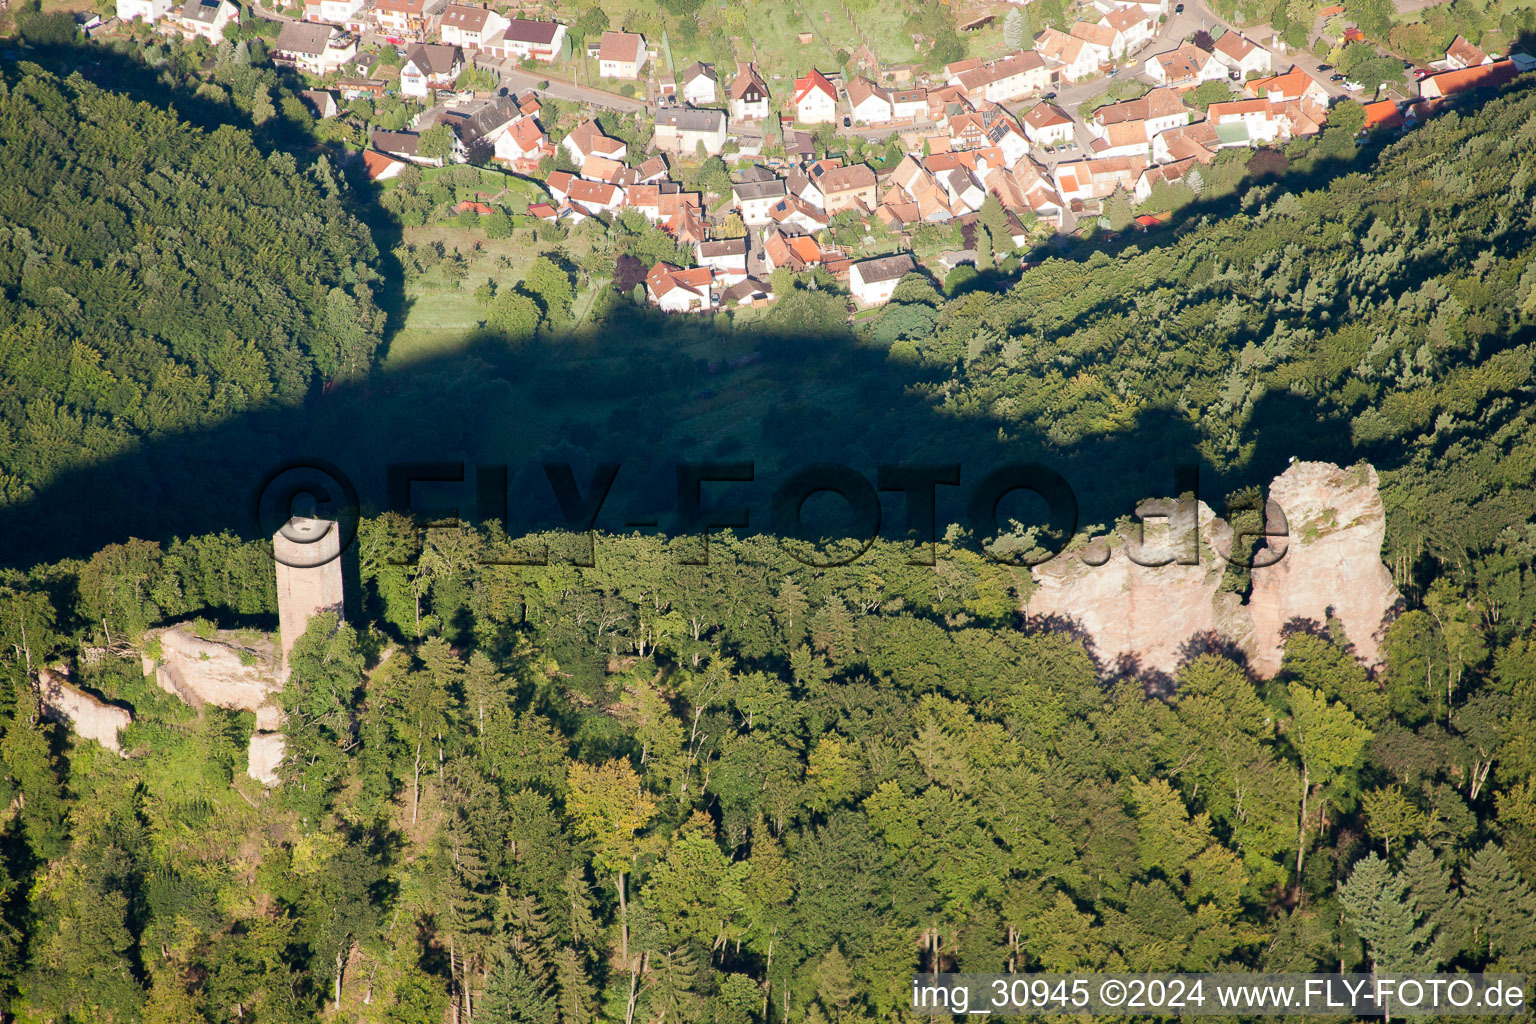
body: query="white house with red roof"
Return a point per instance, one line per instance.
(1243, 55)
(335, 12)
(674, 290)
(1462, 54)
(815, 99)
(1185, 67)
(1072, 59)
(587, 139)
(522, 144)
(1048, 125)
(621, 55)
(471, 26)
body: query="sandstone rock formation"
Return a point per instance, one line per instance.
(222, 670)
(86, 715)
(1332, 565)
(1143, 616)
(264, 756)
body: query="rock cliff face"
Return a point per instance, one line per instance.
(86, 715)
(1144, 616)
(220, 670)
(227, 672)
(1332, 566)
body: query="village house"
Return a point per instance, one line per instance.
(844, 188)
(402, 19)
(334, 12)
(684, 130)
(1193, 141)
(587, 197)
(1462, 54)
(479, 124)
(321, 102)
(794, 212)
(312, 47)
(872, 282)
(1132, 29)
(651, 170)
(1123, 138)
(205, 19)
(1073, 59)
(797, 252)
(754, 198)
(749, 94)
(1185, 67)
(1436, 88)
(1171, 173)
(527, 40)
(1100, 38)
(1160, 110)
(1153, 9)
(868, 103)
(1293, 86)
(1097, 179)
(587, 139)
(1260, 120)
(429, 66)
(143, 10)
(381, 166)
(599, 168)
(621, 55)
(909, 104)
(1009, 139)
(1382, 114)
(1242, 55)
(1048, 125)
(522, 144)
(1018, 75)
(727, 257)
(815, 99)
(697, 85)
(403, 146)
(473, 27)
(674, 290)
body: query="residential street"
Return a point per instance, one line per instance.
(519, 80)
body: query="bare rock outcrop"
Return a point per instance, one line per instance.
(264, 756)
(224, 670)
(87, 716)
(1150, 592)
(1140, 598)
(1332, 566)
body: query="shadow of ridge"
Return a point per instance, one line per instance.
(639, 393)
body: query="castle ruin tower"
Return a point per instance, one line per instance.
(308, 556)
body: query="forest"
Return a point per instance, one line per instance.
(749, 791)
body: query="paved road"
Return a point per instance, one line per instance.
(518, 79)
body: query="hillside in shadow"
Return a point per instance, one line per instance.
(645, 392)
